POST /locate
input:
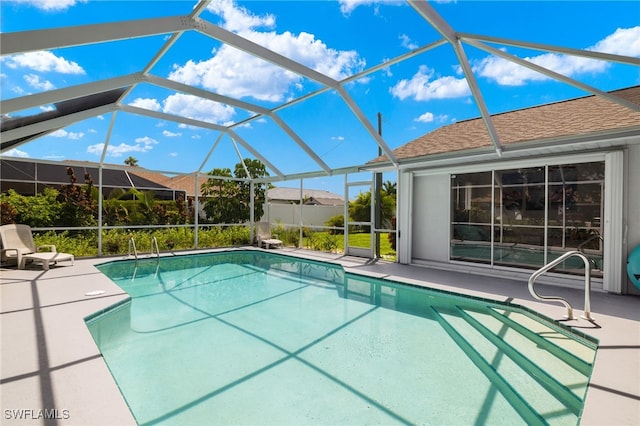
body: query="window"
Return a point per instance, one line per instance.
(527, 217)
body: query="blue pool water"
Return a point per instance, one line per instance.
(249, 337)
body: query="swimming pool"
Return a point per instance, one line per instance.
(249, 337)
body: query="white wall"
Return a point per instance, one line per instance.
(428, 224)
(431, 218)
(289, 214)
(632, 210)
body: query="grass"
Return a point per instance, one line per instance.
(335, 243)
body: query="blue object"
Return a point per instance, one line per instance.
(633, 267)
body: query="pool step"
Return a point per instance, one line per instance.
(580, 355)
(549, 376)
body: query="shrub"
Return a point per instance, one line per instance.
(37, 211)
(335, 221)
(322, 241)
(288, 236)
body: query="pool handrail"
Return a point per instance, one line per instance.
(587, 241)
(587, 284)
(154, 244)
(132, 243)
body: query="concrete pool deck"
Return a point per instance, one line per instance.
(49, 361)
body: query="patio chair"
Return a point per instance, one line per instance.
(17, 244)
(265, 239)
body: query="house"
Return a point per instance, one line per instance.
(278, 195)
(566, 178)
(32, 176)
(309, 207)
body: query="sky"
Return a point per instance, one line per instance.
(336, 38)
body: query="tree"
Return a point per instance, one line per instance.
(227, 200)
(389, 188)
(360, 208)
(79, 203)
(221, 204)
(38, 210)
(131, 161)
(256, 169)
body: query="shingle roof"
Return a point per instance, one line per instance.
(293, 194)
(180, 182)
(12, 171)
(591, 114)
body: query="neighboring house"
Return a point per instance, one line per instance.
(32, 176)
(319, 205)
(185, 184)
(312, 207)
(320, 197)
(567, 179)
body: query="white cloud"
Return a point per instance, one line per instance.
(143, 144)
(622, 42)
(50, 5)
(173, 154)
(18, 90)
(237, 18)
(43, 61)
(428, 117)
(235, 73)
(337, 138)
(422, 87)
(197, 108)
(348, 6)
(33, 80)
(407, 42)
(70, 135)
(15, 152)
(146, 103)
(171, 134)
(147, 142)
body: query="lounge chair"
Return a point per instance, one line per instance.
(17, 244)
(265, 239)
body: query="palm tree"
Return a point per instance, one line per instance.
(131, 161)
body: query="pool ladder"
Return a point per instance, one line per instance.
(132, 246)
(587, 284)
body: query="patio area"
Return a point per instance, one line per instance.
(50, 361)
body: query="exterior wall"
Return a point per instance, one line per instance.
(631, 210)
(429, 221)
(289, 214)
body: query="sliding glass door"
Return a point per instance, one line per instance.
(526, 217)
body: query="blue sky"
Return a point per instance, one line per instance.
(338, 39)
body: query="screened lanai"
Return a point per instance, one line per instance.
(313, 90)
(451, 117)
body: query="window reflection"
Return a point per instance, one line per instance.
(527, 217)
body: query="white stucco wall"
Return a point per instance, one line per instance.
(431, 218)
(289, 214)
(632, 209)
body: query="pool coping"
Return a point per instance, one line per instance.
(50, 361)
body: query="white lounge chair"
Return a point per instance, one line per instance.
(265, 239)
(17, 244)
